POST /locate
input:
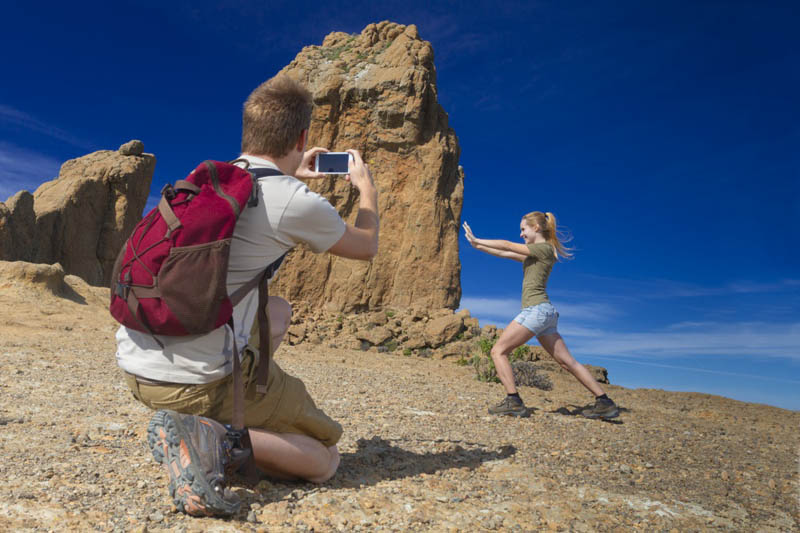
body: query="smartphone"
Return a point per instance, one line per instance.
(333, 162)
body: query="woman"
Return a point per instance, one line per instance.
(538, 316)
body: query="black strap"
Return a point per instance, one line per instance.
(264, 172)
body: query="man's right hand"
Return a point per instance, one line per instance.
(360, 241)
(360, 176)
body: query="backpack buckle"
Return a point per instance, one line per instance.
(168, 191)
(120, 289)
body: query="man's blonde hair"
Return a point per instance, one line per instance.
(275, 114)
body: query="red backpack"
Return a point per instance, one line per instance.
(170, 276)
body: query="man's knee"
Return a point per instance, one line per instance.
(280, 314)
(330, 469)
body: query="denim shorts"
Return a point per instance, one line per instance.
(541, 319)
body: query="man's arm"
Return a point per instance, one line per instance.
(360, 241)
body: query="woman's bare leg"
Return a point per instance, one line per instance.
(293, 456)
(514, 336)
(557, 348)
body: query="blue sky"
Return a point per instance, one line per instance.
(663, 135)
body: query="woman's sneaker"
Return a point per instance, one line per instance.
(195, 452)
(602, 408)
(510, 406)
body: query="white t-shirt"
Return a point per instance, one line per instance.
(288, 213)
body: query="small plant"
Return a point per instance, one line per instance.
(391, 345)
(407, 352)
(389, 314)
(485, 345)
(484, 369)
(521, 353)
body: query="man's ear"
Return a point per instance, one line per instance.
(301, 141)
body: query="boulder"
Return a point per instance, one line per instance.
(376, 92)
(81, 218)
(443, 329)
(375, 336)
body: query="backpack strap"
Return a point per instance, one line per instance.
(265, 339)
(262, 281)
(264, 172)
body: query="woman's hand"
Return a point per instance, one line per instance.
(470, 236)
(306, 169)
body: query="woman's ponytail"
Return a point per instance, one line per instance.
(549, 229)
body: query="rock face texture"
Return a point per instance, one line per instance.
(82, 218)
(376, 92)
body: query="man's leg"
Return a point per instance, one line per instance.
(289, 455)
(280, 317)
(293, 456)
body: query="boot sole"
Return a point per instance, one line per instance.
(609, 416)
(169, 442)
(526, 414)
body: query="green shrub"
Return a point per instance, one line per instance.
(407, 352)
(389, 314)
(485, 345)
(484, 369)
(521, 353)
(391, 345)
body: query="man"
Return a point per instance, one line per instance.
(190, 377)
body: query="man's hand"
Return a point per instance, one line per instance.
(360, 241)
(359, 175)
(306, 169)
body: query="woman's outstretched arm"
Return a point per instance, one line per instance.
(498, 248)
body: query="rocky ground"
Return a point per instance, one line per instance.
(419, 452)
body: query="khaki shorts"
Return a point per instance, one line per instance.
(285, 408)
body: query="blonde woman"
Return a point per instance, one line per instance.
(541, 249)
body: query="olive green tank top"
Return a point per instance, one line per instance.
(536, 269)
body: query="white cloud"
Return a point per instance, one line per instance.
(492, 309)
(668, 289)
(19, 118)
(588, 331)
(22, 169)
(754, 339)
(503, 310)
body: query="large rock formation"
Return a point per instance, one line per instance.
(82, 218)
(376, 92)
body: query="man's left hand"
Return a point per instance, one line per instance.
(306, 169)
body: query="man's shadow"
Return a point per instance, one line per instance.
(378, 459)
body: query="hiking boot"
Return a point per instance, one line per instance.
(195, 451)
(510, 406)
(602, 408)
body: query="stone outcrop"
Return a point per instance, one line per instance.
(376, 92)
(82, 218)
(438, 334)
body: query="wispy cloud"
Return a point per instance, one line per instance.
(22, 169)
(667, 289)
(503, 310)
(589, 330)
(752, 339)
(10, 115)
(696, 369)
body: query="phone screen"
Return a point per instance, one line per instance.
(333, 162)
